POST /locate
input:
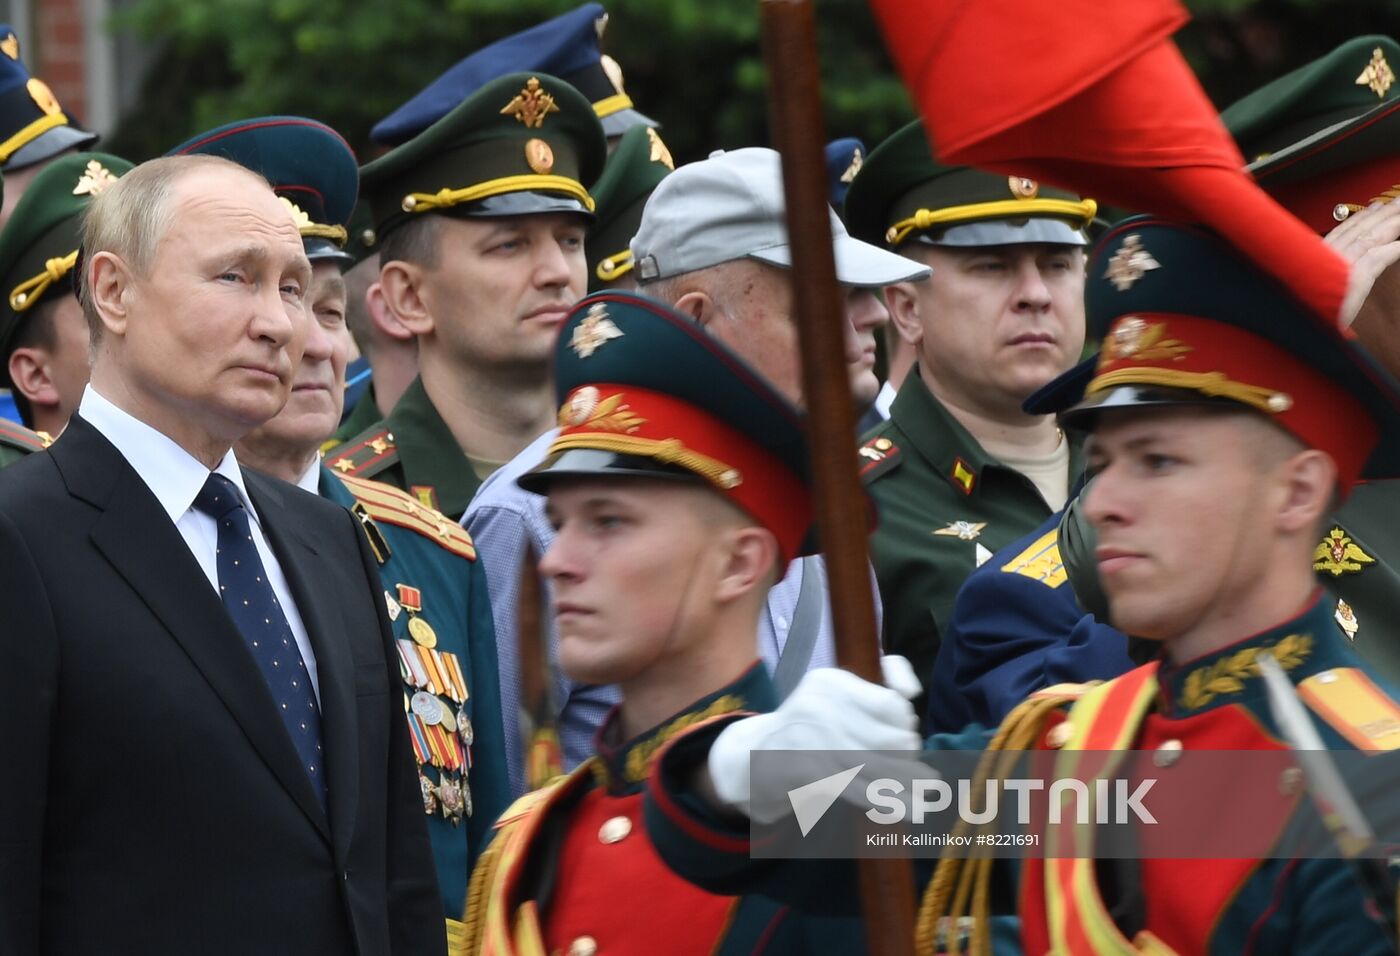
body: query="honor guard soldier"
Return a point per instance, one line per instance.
(566, 46)
(678, 486)
(432, 584)
(480, 221)
(959, 470)
(636, 167)
(34, 128)
(1227, 418)
(1321, 140)
(43, 335)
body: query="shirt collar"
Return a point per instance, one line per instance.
(310, 479)
(174, 476)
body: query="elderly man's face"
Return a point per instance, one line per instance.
(312, 412)
(217, 327)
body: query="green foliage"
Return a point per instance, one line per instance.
(695, 65)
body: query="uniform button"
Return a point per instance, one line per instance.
(1167, 754)
(884, 444)
(1326, 677)
(1059, 735)
(583, 946)
(615, 830)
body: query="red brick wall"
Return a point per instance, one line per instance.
(56, 56)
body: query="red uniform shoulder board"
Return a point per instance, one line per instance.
(16, 435)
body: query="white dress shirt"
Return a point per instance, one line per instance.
(175, 477)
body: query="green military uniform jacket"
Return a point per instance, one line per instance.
(944, 506)
(16, 442)
(413, 450)
(431, 576)
(362, 416)
(1359, 559)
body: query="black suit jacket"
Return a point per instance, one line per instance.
(151, 800)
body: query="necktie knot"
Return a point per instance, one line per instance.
(218, 497)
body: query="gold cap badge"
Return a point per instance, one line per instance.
(10, 46)
(594, 331)
(531, 105)
(1378, 75)
(1023, 188)
(539, 156)
(1130, 263)
(856, 161)
(94, 179)
(43, 97)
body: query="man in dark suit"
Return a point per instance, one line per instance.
(203, 746)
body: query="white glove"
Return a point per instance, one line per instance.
(828, 710)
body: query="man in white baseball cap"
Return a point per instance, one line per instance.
(712, 243)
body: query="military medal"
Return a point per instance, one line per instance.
(450, 797)
(464, 728)
(420, 630)
(449, 722)
(408, 657)
(430, 792)
(428, 707)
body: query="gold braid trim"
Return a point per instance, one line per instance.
(609, 105)
(443, 198)
(1081, 212)
(1017, 733)
(1207, 383)
(478, 891)
(668, 451)
(24, 295)
(31, 132)
(1227, 675)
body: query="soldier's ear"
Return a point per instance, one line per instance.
(902, 301)
(750, 563)
(699, 306)
(1309, 492)
(401, 288)
(384, 320)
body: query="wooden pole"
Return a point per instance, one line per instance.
(795, 109)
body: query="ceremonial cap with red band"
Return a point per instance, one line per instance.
(1187, 320)
(1322, 139)
(645, 392)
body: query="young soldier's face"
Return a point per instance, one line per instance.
(998, 322)
(1184, 508)
(502, 287)
(631, 564)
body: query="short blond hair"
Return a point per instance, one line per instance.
(131, 216)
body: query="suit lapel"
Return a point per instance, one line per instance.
(296, 549)
(137, 537)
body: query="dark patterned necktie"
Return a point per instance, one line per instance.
(248, 595)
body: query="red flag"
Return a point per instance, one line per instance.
(1095, 97)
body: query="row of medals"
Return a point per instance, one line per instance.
(437, 717)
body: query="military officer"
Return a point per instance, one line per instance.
(480, 222)
(433, 584)
(1321, 141)
(636, 167)
(678, 489)
(34, 127)
(567, 46)
(1227, 418)
(959, 470)
(43, 334)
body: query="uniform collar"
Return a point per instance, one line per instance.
(623, 768)
(429, 451)
(1308, 644)
(941, 439)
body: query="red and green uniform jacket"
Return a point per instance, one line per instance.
(573, 868)
(1162, 906)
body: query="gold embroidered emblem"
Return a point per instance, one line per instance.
(1338, 554)
(639, 757)
(612, 414)
(94, 179)
(531, 105)
(1227, 675)
(379, 446)
(1346, 620)
(1134, 337)
(539, 156)
(1023, 188)
(43, 97)
(299, 215)
(10, 46)
(659, 152)
(964, 476)
(1130, 263)
(963, 530)
(857, 160)
(595, 331)
(1378, 75)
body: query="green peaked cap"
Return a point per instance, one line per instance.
(39, 244)
(636, 167)
(524, 143)
(901, 193)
